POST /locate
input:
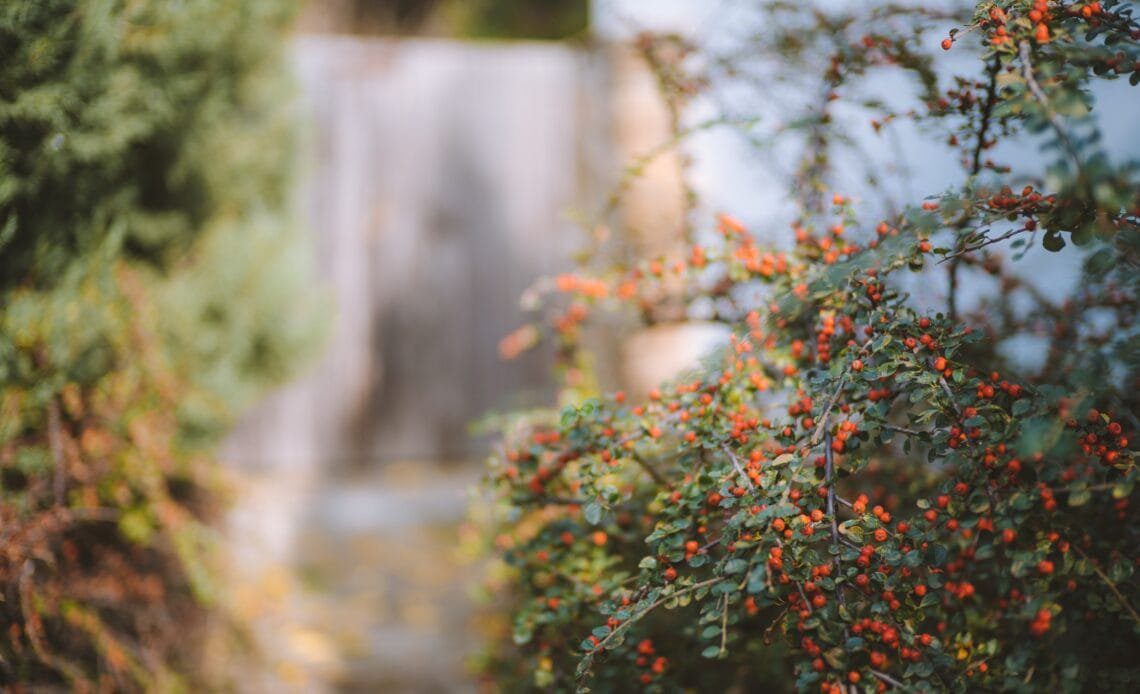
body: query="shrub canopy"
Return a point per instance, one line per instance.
(860, 491)
(149, 287)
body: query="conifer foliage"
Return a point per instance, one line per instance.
(148, 289)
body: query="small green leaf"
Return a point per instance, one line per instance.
(1080, 497)
(757, 579)
(936, 555)
(735, 566)
(782, 459)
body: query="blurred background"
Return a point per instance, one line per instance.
(452, 154)
(457, 152)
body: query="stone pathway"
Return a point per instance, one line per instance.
(386, 585)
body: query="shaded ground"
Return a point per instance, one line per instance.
(388, 591)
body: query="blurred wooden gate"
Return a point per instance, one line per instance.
(441, 178)
(438, 190)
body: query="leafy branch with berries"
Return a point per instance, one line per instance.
(860, 491)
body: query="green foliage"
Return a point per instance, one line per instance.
(520, 19)
(150, 287)
(113, 114)
(861, 492)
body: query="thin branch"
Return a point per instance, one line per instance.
(1091, 488)
(954, 258)
(987, 113)
(652, 472)
(975, 168)
(903, 430)
(55, 441)
(829, 476)
(950, 395)
(804, 597)
(800, 588)
(1050, 114)
(817, 435)
(657, 603)
(739, 468)
(547, 500)
(1111, 585)
(889, 680)
(724, 627)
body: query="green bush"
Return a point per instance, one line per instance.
(149, 288)
(862, 491)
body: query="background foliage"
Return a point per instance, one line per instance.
(861, 491)
(149, 288)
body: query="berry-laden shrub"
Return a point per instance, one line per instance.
(148, 289)
(860, 492)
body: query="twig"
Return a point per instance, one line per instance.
(55, 436)
(739, 468)
(1091, 488)
(774, 622)
(889, 680)
(547, 500)
(817, 435)
(1111, 585)
(804, 597)
(1050, 114)
(975, 168)
(829, 474)
(800, 588)
(653, 606)
(724, 627)
(987, 113)
(903, 430)
(652, 472)
(955, 257)
(950, 395)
